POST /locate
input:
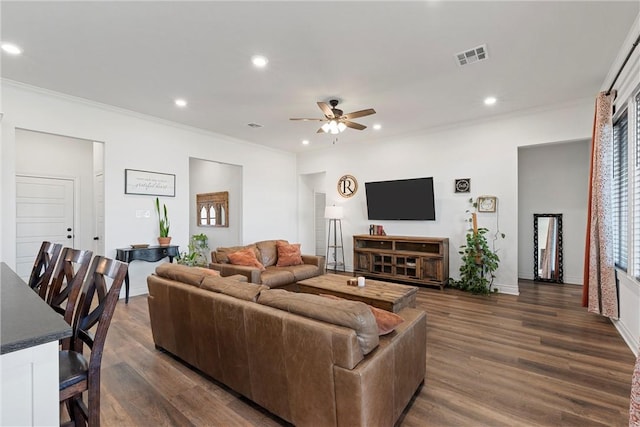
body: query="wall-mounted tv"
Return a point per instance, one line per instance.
(403, 199)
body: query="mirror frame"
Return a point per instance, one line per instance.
(219, 202)
(536, 277)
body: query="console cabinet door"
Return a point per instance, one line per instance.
(362, 261)
(431, 269)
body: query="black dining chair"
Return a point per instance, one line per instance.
(67, 281)
(79, 372)
(43, 267)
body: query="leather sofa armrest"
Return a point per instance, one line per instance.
(314, 260)
(251, 273)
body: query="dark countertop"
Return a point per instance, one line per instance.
(25, 319)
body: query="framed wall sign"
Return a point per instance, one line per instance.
(487, 203)
(149, 183)
(347, 185)
(463, 185)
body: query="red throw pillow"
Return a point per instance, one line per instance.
(246, 257)
(386, 320)
(288, 254)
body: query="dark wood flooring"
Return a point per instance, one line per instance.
(538, 359)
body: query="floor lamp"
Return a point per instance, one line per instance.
(334, 215)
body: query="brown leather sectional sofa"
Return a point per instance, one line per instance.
(270, 346)
(273, 276)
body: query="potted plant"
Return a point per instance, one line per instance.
(197, 255)
(163, 223)
(479, 260)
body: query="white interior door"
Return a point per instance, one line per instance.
(98, 196)
(44, 211)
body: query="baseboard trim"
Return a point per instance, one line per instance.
(507, 289)
(627, 336)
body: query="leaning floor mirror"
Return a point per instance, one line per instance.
(547, 247)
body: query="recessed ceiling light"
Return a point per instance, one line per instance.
(259, 61)
(377, 126)
(305, 142)
(181, 102)
(11, 48)
(490, 100)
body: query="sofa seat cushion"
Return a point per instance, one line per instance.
(181, 273)
(302, 272)
(268, 251)
(276, 276)
(351, 314)
(234, 288)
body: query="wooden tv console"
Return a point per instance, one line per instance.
(420, 260)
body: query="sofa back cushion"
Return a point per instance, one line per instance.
(351, 314)
(242, 290)
(181, 273)
(268, 252)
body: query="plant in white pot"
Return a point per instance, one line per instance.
(163, 223)
(479, 259)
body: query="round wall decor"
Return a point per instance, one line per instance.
(347, 185)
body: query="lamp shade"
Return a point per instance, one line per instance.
(333, 212)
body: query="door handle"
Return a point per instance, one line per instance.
(69, 229)
(69, 236)
(96, 238)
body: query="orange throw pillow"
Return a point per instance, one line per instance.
(386, 320)
(246, 257)
(288, 254)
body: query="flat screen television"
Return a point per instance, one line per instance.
(403, 199)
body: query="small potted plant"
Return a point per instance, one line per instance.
(163, 223)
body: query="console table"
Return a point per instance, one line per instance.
(150, 254)
(420, 260)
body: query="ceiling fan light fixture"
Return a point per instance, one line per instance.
(341, 127)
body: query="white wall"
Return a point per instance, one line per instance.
(486, 152)
(134, 141)
(554, 178)
(53, 156)
(308, 185)
(212, 177)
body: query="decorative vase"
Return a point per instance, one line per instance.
(164, 241)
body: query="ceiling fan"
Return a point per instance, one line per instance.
(336, 121)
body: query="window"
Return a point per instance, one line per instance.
(620, 191)
(636, 193)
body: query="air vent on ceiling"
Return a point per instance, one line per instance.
(254, 125)
(472, 55)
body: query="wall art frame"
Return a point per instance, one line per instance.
(147, 183)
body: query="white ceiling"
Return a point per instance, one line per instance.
(396, 57)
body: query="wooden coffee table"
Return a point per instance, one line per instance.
(385, 295)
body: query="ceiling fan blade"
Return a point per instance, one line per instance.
(307, 119)
(354, 125)
(326, 109)
(360, 113)
(320, 131)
